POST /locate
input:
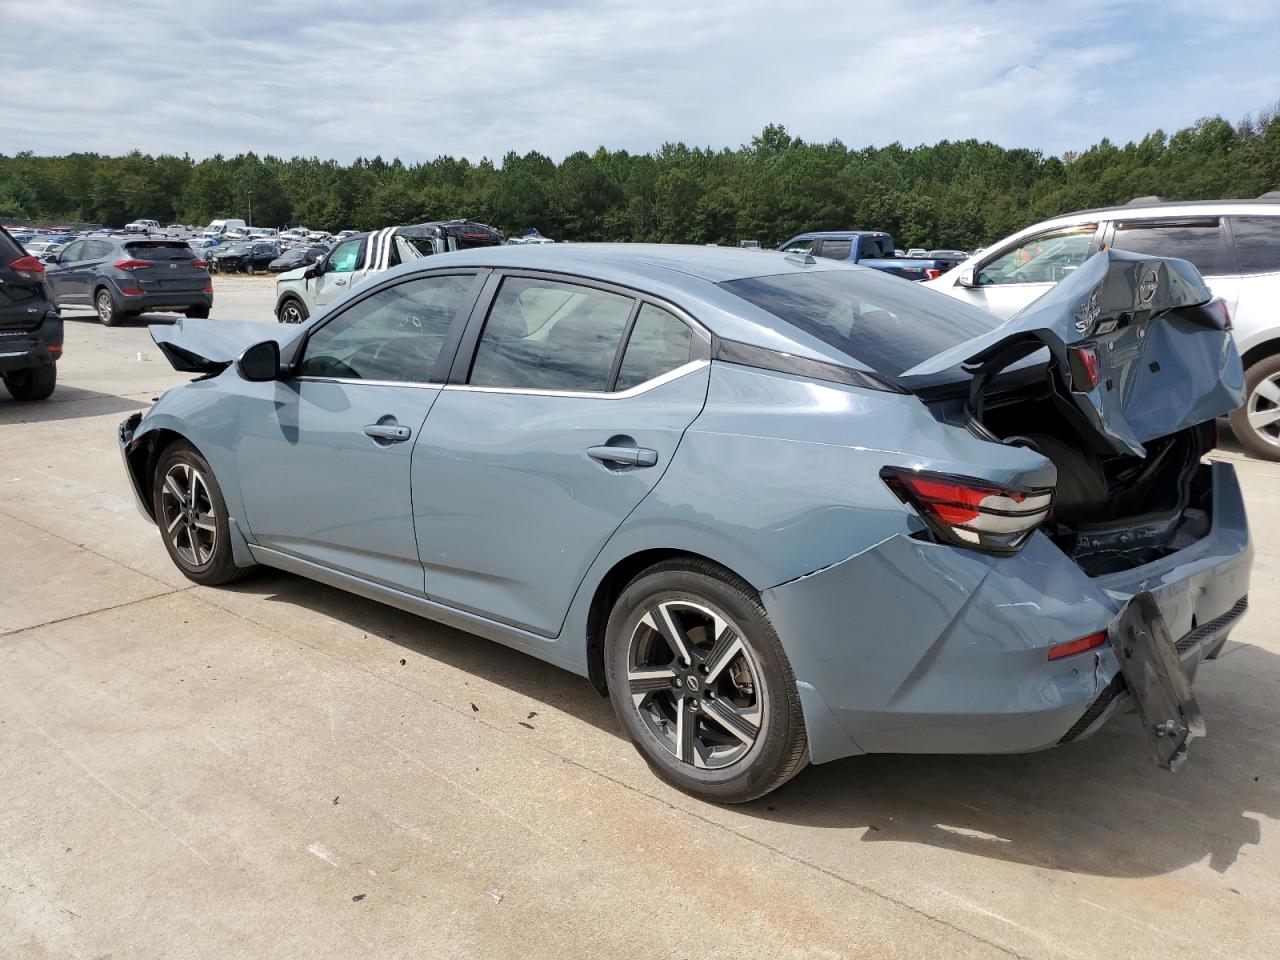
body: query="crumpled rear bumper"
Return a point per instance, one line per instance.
(916, 647)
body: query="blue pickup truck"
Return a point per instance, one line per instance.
(867, 248)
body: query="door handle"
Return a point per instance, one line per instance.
(630, 456)
(388, 432)
(339, 283)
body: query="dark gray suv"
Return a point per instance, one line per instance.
(123, 277)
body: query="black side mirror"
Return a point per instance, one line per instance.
(315, 270)
(260, 363)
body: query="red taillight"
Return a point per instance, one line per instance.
(200, 264)
(207, 290)
(1084, 369)
(29, 268)
(1072, 647)
(932, 273)
(132, 291)
(1218, 309)
(133, 264)
(971, 513)
(55, 348)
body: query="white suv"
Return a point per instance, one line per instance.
(1235, 244)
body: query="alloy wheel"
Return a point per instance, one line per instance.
(188, 516)
(291, 313)
(696, 684)
(106, 309)
(1263, 409)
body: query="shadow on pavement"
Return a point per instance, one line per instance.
(1098, 807)
(67, 403)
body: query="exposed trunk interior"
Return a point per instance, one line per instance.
(1111, 511)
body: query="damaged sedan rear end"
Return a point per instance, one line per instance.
(780, 510)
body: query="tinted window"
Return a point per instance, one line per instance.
(1045, 258)
(835, 249)
(546, 335)
(659, 343)
(880, 320)
(1257, 243)
(870, 248)
(160, 251)
(1201, 243)
(798, 246)
(344, 257)
(395, 334)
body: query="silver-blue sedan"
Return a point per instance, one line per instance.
(781, 510)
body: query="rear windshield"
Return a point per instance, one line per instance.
(882, 321)
(160, 250)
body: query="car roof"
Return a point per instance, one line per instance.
(687, 276)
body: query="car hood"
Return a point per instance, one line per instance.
(210, 346)
(1161, 357)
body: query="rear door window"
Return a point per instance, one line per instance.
(835, 249)
(659, 343)
(549, 335)
(1257, 243)
(1202, 241)
(881, 321)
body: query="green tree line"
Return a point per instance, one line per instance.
(950, 194)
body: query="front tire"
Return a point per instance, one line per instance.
(292, 310)
(1257, 423)
(701, 684)
(192, 517)
(34, 383)
(105, 305)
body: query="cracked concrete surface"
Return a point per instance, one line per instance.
(252, 771)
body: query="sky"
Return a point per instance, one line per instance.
(415, 79)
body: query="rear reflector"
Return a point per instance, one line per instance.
(131, 291)
(1084, 369)
(29, 268)
(55, 348)
(1072, 647)
(133, 264)
(971, 513)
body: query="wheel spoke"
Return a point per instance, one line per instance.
(1264, 418)
(177, 519)
(732, 721)
(171, 484)
(191, 542)
(648, 680)
(205, 521)
(662, 621)
(686, 727)
(728, 645)
(1270, 389)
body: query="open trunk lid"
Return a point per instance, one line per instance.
(210, 346)
(1138, 342)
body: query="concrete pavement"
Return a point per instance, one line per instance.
(279, 769)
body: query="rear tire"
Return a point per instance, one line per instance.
(724, 722)
(34, 383)
(192, 517)
(1261, 437)
(105, 305)
(292, 310)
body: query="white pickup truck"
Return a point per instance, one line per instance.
(301, 292)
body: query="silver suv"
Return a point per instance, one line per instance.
(1235, 244)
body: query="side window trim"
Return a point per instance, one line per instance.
(439, 375)
(469, 340)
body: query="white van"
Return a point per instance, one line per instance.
(218, 228)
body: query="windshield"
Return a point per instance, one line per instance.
(882, 321)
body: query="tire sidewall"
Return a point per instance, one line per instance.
(296, 305)
(114, 316)
(757, 771)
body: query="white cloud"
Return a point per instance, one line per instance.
(414, 80)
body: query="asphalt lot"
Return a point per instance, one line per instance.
(277, 769)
